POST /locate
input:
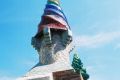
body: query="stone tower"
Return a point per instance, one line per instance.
(53, 35)
(53, 42)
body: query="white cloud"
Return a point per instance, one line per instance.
(94, 72)
(93, 41)
(96, 78)
(117, 46)
(4, 76)
(7, 78)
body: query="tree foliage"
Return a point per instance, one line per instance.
(78, 67)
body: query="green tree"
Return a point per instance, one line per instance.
(78, 67)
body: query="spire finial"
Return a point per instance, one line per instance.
(54, 2)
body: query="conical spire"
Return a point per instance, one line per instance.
(53, 15)
(53, 19)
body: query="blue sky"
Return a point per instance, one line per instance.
(95, 25)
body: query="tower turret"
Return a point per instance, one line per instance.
(53, 35)
(53, 21)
